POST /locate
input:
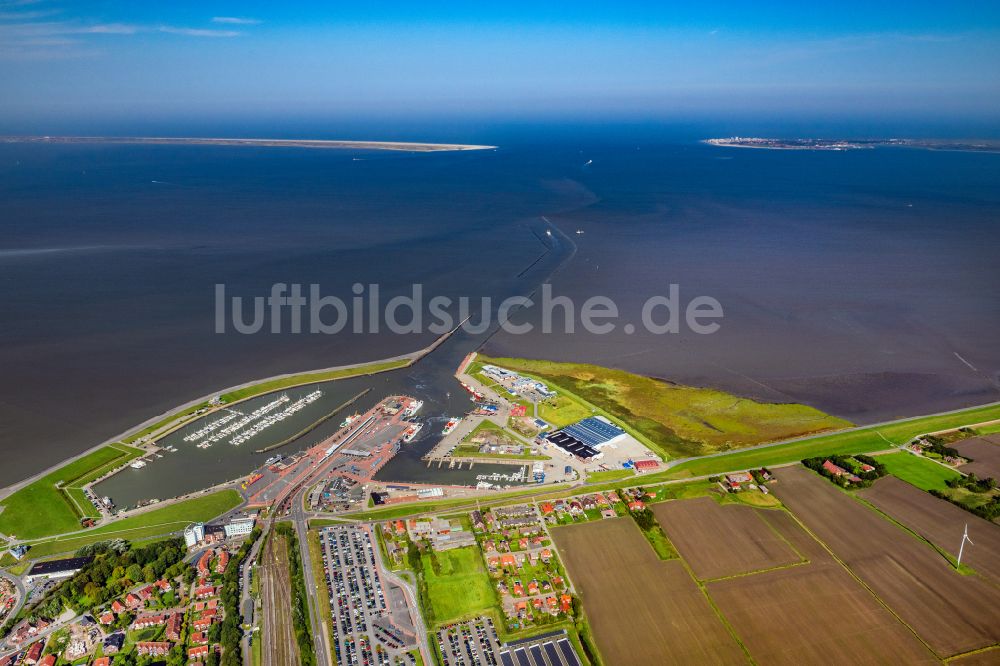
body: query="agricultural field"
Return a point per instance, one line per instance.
(918, 470)
(679, 420)
(939, 522)
(721, 541)
(985, 455)
(951, 612)
(629, 594)
(458, 586)
(46, 507)
(814, 614)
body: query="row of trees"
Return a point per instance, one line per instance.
(231, 632)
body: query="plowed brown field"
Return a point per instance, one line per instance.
(951, 612)
(642, 610)
(719, 541)
(940, 522)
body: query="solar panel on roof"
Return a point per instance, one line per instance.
(522, 657)
(568, 653)
(506, 659)
(550, 650)
(536, 655)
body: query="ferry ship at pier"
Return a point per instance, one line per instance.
(412, 431)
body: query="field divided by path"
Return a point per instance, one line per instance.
(643, 611)
(940, 522)
(719, 541)
(951, 612)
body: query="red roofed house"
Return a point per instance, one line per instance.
(117, 606)
(34, 653)
(220, 566)
(205, 561)
(833, 469)
(204, 592)
(48, 660)
(198, 651)
(133, 601)
(546, 555)
(103, 661)
(518, 590)
(565, 603)
(153, 647)
(174, 626)
(551, 602)
(547, 508)
(203, 623)
(147, 592)
(507, 561)
(164, 585)
(537, 603)
(199, 637)
(144, 621)
(637, 505)
(646, 465)
(107, 618)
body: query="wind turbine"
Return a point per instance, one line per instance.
(961, 547)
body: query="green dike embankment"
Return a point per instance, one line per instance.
(144, 525)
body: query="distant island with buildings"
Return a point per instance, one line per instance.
(853, 144)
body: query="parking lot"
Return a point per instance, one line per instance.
(367, 627)
(472, 643)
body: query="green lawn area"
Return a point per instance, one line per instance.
(990, 429)
(924, 474)
(609, 475)
(311, 378)
(145, 525)
(863, 440)
(676, 420)
(41, 509)
(461, 589)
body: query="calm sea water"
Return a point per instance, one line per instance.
(863, 283)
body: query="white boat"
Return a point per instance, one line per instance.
(451, 425)
(138, 464)
(412, 431)
(413, 408)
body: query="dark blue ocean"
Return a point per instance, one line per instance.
(864, 283)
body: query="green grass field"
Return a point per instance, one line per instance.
(42, 509)
(610, 475)
(917, 470)
(990, 429)
(678, 421)
(144, 525)
(462, 588)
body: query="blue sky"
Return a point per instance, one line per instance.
(580, 59)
